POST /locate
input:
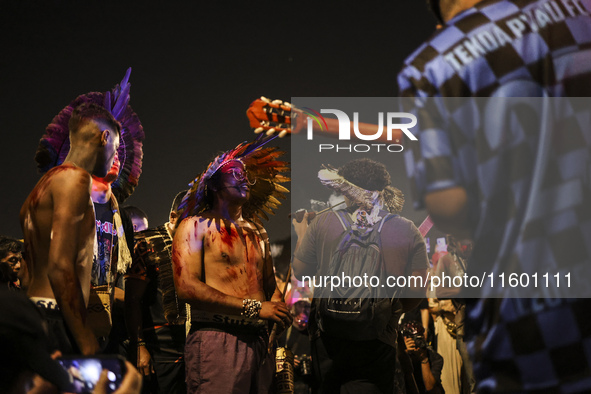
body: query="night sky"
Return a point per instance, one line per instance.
(196, 68)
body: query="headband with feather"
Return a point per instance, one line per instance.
(55, 143)
(261, 163)
(390, 198)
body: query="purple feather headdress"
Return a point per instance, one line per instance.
(261, 163)
(55, 143)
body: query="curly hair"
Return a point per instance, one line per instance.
(10, 245)
(366, 173)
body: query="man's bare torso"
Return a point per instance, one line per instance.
(233, 256)
(37, 218)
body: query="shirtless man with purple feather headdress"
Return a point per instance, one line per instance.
(58, 224)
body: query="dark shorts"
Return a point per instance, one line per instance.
(221, 362)
(60, 337)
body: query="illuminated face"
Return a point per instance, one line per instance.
(112, 162)
(14, 260)
(234, 180)
(301, 314)
(114, 171)
(139, 223)
(106, 159)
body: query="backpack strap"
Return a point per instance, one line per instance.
(384, 220)
(382, 223)
(345, 227)
(387, 217)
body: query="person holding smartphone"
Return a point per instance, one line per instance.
(29, 363)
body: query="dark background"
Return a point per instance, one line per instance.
(196, 68)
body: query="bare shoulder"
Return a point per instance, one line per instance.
(59, 186)
(67, 177)
(256, 226)
(189, 236)
(192, 225)
(67, 170)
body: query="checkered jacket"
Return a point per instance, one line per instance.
(536, 217)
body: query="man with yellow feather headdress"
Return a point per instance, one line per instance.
(223, 269)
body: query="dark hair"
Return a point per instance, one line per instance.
(177, 200)
(132, 210)
(91, 111)
(366, 173)
(10, 245)
(211, 184)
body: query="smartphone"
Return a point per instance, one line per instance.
(86, 370)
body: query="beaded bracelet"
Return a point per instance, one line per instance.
(251, 308)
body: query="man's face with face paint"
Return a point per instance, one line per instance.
(114, 171)
(111, 176)
(234, 182)
(107, 156)
(14, 260)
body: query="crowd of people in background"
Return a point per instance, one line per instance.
(159, 351)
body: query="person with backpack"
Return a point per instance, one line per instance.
(354, 328)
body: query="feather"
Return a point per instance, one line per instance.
(121, 96)
(261, 162)
(390, 198)
(55, 143)
(107, 101)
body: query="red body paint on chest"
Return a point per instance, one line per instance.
(232, 273)
(229, 236)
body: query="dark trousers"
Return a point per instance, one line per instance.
(345, 366)
(60, 337)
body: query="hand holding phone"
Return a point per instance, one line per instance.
(131, 384)
(85, 372)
